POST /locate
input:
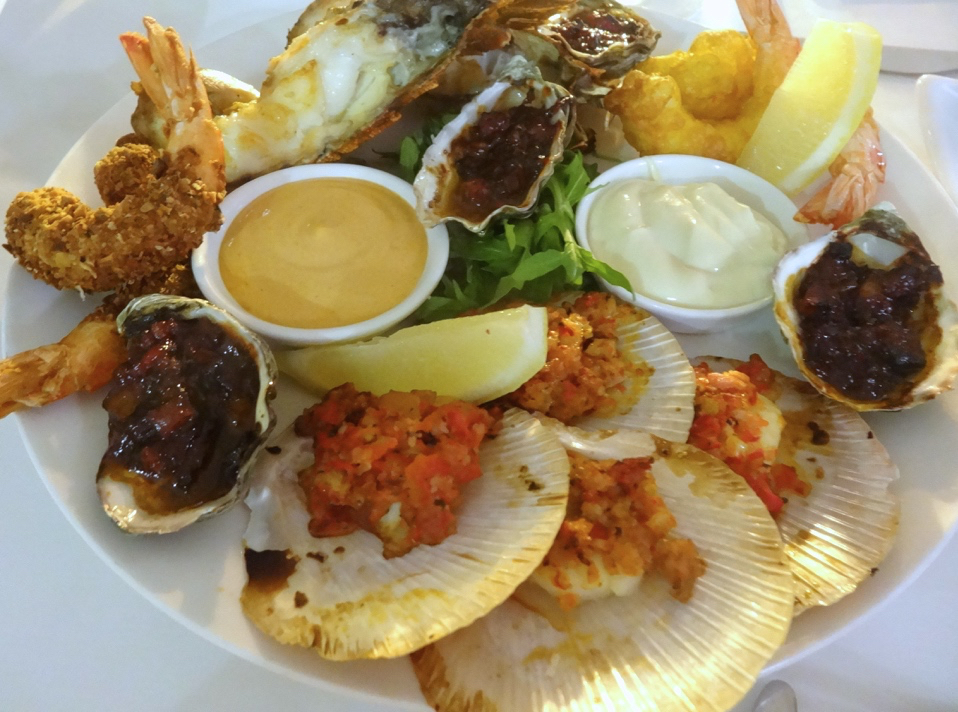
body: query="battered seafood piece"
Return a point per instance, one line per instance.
(840, 518)
(644, 651)
(342, 80)
(340, 596)
(85, 359)
(708, 102)
(188, 413)
(158, 205)
(652, 104)
(865, 313)
(610, 365)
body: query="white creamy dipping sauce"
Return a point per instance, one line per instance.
(689, 245)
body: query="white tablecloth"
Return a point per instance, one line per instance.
(73, 636)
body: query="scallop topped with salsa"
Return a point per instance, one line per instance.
(380, 524)
(719, 592)
(393, 465)
(610, 365)
(815, 464)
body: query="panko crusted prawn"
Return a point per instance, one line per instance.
(158, 205)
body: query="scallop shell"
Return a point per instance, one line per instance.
(340, 596)
(665, 405)
(941, 353)
(437, 180)
(642, 652)
(837, 536)
(117, 495)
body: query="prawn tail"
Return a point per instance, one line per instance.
(764, 20)
(84, 360)
(857, 174)
(171, 79)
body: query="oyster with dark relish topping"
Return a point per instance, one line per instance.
(496, 155)
(188, 413)
(866, 316)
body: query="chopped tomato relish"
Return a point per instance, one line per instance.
(616, 519)
(728, 425)
(585, 372)
(392, 465)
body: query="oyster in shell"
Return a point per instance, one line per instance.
(495, 156)
(188, 414)
(601, 39)
(837, 535)
(644, 651)
(341, 597)
(865, 314)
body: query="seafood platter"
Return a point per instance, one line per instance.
(494, 354)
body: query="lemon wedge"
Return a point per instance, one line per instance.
(472, 358)
(817, 107)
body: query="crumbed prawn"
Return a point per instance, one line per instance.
(157, 206)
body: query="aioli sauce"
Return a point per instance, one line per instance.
(324, 252)
(689, 245)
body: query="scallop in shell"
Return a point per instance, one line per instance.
(495, 156)
(837, 535)
(188, 414)
(644, 651)
(656, 392)
(865, 314)
(341, 597)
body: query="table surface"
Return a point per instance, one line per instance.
(73, 636)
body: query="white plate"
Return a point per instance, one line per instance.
(196, 575)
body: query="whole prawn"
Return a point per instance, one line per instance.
(158, 204)
(856, 175)
(84, 359)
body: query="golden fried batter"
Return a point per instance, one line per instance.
(68, 244)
